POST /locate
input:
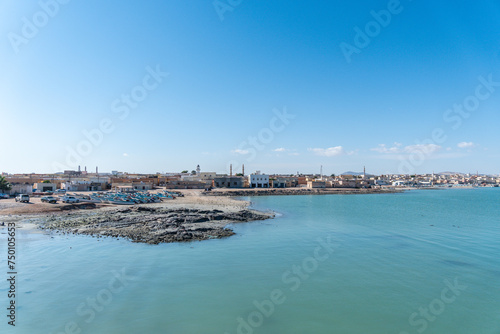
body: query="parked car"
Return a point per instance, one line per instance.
(50, 199)
(4, 196)
(23, 198)
(60, 191)
(70, 199)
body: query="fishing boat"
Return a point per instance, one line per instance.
(122, 198)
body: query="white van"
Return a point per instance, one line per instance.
(70, 199)
(23, 198)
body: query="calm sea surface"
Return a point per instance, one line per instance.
(416, 262)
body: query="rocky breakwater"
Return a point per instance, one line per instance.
(298, 191)
(153, 225)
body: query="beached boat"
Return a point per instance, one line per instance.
(119, 198)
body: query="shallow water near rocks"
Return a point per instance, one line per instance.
(339, 264)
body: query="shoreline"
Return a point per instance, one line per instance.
(190, 218)
(154, 225)
(197, 216)
(298, 191)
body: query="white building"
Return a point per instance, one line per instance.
(258, 180)
(20, 189)
(43, 187)
(399, 183)
(201, 176)
(190, 178)
(83, 185)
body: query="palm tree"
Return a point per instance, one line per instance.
(4, 184)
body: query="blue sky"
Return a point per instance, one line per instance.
(221, 82)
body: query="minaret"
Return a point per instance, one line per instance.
(198, 170)
(364, 173)
(231, 170)
(321, 172)
(243, 169)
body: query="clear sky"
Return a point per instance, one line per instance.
(281, 86)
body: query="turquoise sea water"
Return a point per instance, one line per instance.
(416, 262)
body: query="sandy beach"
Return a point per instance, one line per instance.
(192, 199)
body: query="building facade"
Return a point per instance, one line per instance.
(258, 180)
(43, 187)
(228, 182)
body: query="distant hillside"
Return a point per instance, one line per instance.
(460, 173)
(351, 173)
(355, 173)
(448, 173)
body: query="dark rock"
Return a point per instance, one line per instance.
(154, 225)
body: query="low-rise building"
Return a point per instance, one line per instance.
(154, 180)
(20, 188)
(302, 181)
(141, 186)
(345, 184)
(316, 184)
(179, 184)
(400, 183)
(207, 176)
(83, 186)
(283, 181)
(278, 182)
(43, 187)
(258, 180)
(228, 182)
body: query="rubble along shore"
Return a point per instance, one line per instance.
(299, 191)
(153, 225)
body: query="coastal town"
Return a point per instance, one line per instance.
(250, 167)
(115, 181)
(186, 206)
